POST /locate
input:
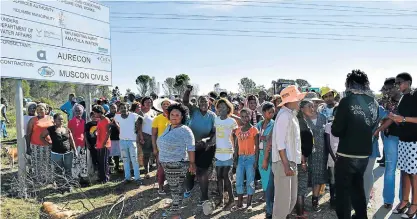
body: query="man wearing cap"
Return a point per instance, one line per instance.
(286, 152)
(328, 96)
(355, 120)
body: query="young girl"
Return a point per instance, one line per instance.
(248, 150)
(225, 126)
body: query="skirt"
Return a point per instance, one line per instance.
(302, 181)
(115, 148)
(407, 157)
(41, 163)
(80, 164)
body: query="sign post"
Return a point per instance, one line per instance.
(54, 40)
(20, 140)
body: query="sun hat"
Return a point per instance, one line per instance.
(157, 104)
(312, 96)
(326, 90)
(291, 94)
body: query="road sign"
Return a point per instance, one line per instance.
(56, 40)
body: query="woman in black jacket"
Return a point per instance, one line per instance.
(306, 148)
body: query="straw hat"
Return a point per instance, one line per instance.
(157, 104)
(291, 94)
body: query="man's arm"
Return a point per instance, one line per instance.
(154, 137)
(139, 133)
(3, 113)
(186, 98)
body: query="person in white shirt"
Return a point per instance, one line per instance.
(129, 124)
(286, 152)
(148, 115)
(225, 126)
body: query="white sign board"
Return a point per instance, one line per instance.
(56, 40)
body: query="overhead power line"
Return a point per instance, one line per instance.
(283, 20)
(266, 32)
(259, 36)
(266, 17)
(284, 5)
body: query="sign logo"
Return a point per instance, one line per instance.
(61, 19)
(103, 50)
(46, 71)
(38, 32)
(104, 59)
(41, 55)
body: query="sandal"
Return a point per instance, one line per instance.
(387, 206)
(398, 210)
(408, 215)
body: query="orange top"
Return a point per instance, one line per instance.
(39, 125)
(246, 141)
(102, 131)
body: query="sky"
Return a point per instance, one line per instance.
(268, 50)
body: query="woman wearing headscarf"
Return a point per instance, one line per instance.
(39, 151)
(31, 112)
(76, 125)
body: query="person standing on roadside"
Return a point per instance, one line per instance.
(76, 125)
(159, 124)
(67, 106)
(39, 151)
(128, 124)
(3, 117)
(390, 139)
(406, 118)
(356, 117)
(103, 143)
(202, 125)
(286, 152)
(148, 115)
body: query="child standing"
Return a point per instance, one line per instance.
(225, 126)
(248, 150)
(332, 144)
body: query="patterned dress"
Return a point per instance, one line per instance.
(318, 158)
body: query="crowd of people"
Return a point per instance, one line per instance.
(288, 143)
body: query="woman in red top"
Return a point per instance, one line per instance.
(39, 152)
(103, 143)
(76, 125)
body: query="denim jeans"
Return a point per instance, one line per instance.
(129, 153)
(3, 129)
(350, 190)
(391, 156)
(62, 164)
(269, 194)
(245, 165)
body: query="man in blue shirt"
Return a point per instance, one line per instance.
(67, 107)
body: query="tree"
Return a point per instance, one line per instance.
(143, 84)
(247, 86)
(259, 88)
(196, 90)
(102, 91)
(152, 86)
(302, 83)
(181, 82)
(116, 92)
(168, 86)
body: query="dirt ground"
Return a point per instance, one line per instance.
(101, 201)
